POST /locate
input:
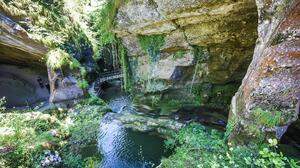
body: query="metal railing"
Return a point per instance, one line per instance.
(109, 76)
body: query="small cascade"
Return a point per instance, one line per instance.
(194, 77)
(121, 104)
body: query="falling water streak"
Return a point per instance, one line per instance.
(194, 77)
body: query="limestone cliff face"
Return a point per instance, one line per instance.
(266, 103)
(224, 32)
(16, 46)
(208, 41)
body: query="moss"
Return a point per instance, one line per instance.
(103, 23)
(214, 95)
(152, 45)
(127, 76)
(201, 54)
(266, 118)
(179, 54)
(231, 124)
(77, 44)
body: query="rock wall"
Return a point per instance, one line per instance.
(266, 103)
(199, 41)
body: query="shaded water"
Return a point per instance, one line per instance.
(124, 148)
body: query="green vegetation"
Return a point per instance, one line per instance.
(152, 45)
(83, 84)
(179, 54)
(55, 25)
(213, 95)
(103, 22)
(27, 137)
(201, 54)
(198, 146)
(230, 126)
(266, 118)
(127, 80)
(57, 58)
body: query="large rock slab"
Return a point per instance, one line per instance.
(272, 85)
(16, 47)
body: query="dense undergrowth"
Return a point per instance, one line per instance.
(52, 138)
(198, 146)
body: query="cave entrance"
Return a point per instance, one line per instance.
(23, 86)
(290, 141)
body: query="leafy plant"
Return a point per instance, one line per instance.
(2, 104)
(58, 58)
(102, 21)
(179, 54)
(83, 84)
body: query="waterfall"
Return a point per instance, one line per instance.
(194, 77)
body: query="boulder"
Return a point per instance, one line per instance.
(63, 87)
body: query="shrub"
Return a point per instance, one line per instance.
(58, 58)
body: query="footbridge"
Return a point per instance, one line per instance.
(104, 77)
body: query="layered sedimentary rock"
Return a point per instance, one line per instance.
(199, 41)
(223, 31)
(266, 103)
(16, 47)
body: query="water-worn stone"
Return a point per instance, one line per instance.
(23, 86)
(148, 124)
(272, 82)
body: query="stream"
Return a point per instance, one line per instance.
(124, 148)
